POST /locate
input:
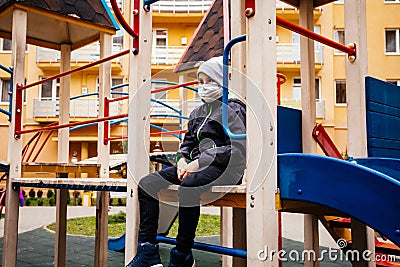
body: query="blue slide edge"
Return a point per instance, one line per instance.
(360, 192)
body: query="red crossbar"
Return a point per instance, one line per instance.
(116, 138)
(94, 63)
(174, 87)
(325, 142)
(72, 124)
(351, 51)
(116, 99)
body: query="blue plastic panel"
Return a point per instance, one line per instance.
(289, 130)
(383, 118)
(390, 167)
(360, 192)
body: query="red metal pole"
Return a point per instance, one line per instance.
(42, 146)
(136, 24)
(97, 62)
(34, 146)
(18, 111)
(316, 37)
(117, 99)
(117, 138)
(73, 124)
(106, 124)
(281, 80)
(174, 87)
(122, 21)
(325, 142)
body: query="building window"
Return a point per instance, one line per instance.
(392, 1)
(6, 45)
(392, 41)
(5, 89)
(160, 96)
(118, 41)
(50, 90)
(297, 88)
(339, 37)
(120, 4)
(114, 82)
(340, 91)
(339, 2)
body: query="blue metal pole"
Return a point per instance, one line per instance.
(84, 95)
(225, 91)
(168, 115)
(207, 247)
(165, 105)
(164, 130)
(8, 70)
(119, 86)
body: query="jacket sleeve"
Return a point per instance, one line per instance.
(189, 141)
(234, 153)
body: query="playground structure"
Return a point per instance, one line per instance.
(264, 194)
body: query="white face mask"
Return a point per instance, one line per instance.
(209, 92)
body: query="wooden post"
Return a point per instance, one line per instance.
(261, 136)
(103, 151)
(138, 128)
(19, 25)
(356, 32)
(183, 96)
(234, 228)
(307, 73)
(63, 157)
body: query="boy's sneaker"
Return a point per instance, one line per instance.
(179, 259)
(147, 256)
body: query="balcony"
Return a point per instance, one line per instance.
(283, 6)
(182, 6)
(156, 108)
(166, 55)
(296, 103)
(79, 108)
(289, 53)
(85, 54)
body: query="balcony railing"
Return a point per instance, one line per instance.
(290, 53)
(283, 6)
(88, 53)
(166, 55)
(296, 103)
(82, 108)
(157, 108)
(182, 6)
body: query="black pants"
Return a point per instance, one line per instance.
(189, 200)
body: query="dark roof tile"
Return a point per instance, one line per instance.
(209, 40)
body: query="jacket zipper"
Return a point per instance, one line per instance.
(204, 122)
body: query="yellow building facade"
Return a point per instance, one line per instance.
(174, 23)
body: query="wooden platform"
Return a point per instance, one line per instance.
(92, 168)
(92, 184)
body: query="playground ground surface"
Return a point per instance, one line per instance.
(36, 244)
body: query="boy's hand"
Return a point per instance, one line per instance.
(191, 167)
(181, 167)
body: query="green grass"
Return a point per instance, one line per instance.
(208, 225)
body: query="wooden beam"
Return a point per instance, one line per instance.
(355, 20)
(63, 157)
(138, 125)
(19, 28)
(308, 105)
(60, 168)
(103, 151)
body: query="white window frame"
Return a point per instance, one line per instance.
(335, 84)
(336, 39)
(112, 79)
(1, 91)
(397, 52)
(298, 85)
(155, 36)
(120, 5)
(54, 84)
(339, 2)
(117, 46)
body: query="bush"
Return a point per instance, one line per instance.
(32, 193)
(120, 217)
(52, 201)
(68, 198)
(119, 202)
(39, 193)
(50, 193)
(79, 201)
(24, 193)
(40, 201)
(27, 202)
